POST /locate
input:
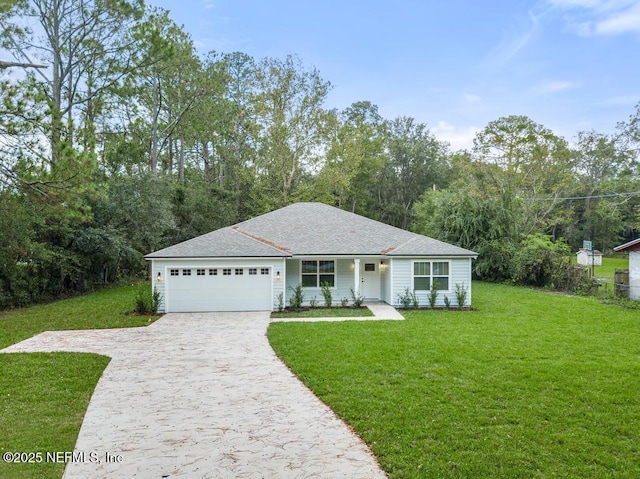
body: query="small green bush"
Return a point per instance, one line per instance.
(461, 294)
(433, 295)
(156, 299)
(405, 298)
(539, 260)
(297, 298)
(326, 294)
(414, 300)
(356, 298)
(280, 302)
(146, 302)
(447, 302)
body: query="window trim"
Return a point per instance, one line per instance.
(318, 273)
(431, 275)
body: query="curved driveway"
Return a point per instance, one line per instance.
(203, 396)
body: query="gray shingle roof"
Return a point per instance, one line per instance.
(310, 229)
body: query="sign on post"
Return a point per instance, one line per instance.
(587, 244)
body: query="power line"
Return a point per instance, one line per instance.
(609, 195)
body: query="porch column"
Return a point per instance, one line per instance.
(356, 275)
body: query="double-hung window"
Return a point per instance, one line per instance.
(427, 273)
(317, 273)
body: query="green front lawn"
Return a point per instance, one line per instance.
(529, 385)
(101, 310)
(43, 399)
(44, 396)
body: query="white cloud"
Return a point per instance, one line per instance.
(555, 87)
(513, 43)
(622, 100)
(600, 17)
(471, 98)
(565, 4)
(458, 137)
(622, 22)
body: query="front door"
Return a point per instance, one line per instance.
(370, 279)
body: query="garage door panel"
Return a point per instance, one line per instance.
(219, 292)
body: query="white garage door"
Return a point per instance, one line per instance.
(218, 289)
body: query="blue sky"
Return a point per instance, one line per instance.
(455, 65)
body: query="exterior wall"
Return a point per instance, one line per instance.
(385, 282)
(163, 266)
(634, 275)
(402, 278)
(342, 289)
(345, 280)
(293, 278)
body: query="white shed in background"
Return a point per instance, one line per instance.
(588, 258)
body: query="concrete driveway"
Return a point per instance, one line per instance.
(203, 396)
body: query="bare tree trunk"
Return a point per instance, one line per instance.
(205, 158)
(181, 161)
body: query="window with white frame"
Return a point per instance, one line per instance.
(426, 273)
(175, 272)
(314, 273)
(200, 272)
(253, 271)
(264, 270)
(186, 272)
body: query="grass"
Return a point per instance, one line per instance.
(529, 385)
(609, 266)
(101, 310)
(325, 313)
(44, 396)
(43, 399)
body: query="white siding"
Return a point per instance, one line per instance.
(634, 275)
(293, 278)
(164, 266)
(402, 273)
(385, 282)
(344, 281)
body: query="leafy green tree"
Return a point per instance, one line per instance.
(603, 181)
(539, 260)
(354, 161)
(483, 225)
(291, 122)
(417, 161)
(200, 208)
(139, 208)
(85, 43)
(164, 88)
(522, 160)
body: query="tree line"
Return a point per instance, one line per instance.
(130, 141)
